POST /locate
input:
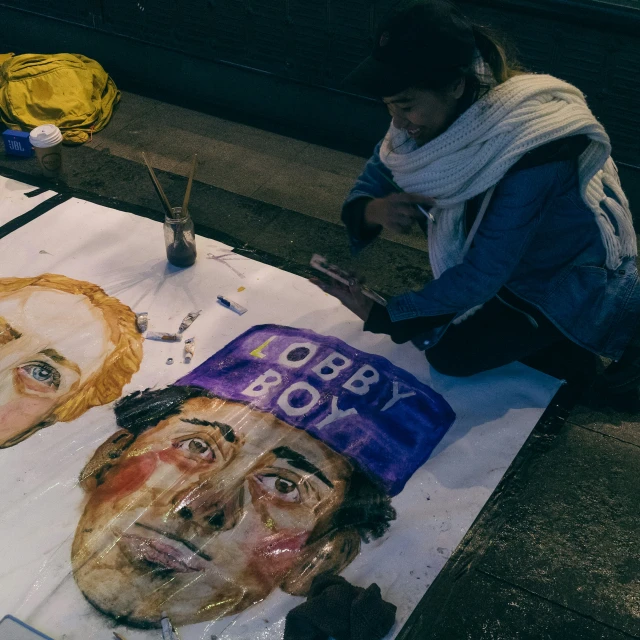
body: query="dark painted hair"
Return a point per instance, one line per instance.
(365, 508)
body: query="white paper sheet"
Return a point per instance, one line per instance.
(14, 203)
(124, 254)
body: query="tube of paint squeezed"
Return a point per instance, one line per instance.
(163, 337)
(189, 319)
(189, 349)
(142, 321)
(230, 304)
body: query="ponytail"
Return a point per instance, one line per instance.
(496, 54)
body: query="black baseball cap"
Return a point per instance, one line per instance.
(419, 42)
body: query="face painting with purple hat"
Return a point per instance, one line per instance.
(269, 464)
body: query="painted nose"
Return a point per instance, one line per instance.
(214, 510)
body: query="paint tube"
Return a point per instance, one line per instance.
(163, 337)
(188, 320)
(189, 349)
(234, 306)
(142, 321)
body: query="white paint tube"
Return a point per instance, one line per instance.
(189, 319)
(230, 304)
(142, 321)
(189, 349)
(163, 337)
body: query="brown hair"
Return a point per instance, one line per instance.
(496, 54)
(495, 51)
(120, 364)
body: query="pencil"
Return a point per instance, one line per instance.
(156, 184)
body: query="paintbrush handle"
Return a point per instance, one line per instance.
(399, 189)
(390, 181)
(159, 190)
(187, 193)
(424, 211)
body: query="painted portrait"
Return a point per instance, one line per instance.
(274, 461)
(65, 346)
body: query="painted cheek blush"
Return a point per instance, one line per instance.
(273, 556)
(128, 477)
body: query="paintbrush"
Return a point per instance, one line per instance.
(399, 189)
(117, 636)
(159, 191)
(187, 193)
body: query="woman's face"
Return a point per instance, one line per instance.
(51, 342)
(425, 114)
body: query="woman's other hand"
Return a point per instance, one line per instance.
(396, 212)
(350, 295)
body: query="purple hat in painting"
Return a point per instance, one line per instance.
(380, 417)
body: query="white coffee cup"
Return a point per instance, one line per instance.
(47, 142)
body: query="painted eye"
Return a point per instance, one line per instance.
(42, 373)
(282, 488)
(197, 447)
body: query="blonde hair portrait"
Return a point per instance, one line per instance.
(119, 365)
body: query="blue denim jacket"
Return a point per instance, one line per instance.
(540, 241)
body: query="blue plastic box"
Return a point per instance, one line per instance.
(13, 629)
(16, 143)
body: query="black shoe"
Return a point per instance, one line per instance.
(618, 387)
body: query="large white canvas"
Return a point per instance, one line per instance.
(14, 202)
(124, 254)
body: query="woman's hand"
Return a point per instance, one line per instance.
(350, 295)
(396, 212)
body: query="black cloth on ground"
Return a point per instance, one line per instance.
(337, 609)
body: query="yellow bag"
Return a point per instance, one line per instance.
(68, 90)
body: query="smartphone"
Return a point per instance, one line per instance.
(320, 263)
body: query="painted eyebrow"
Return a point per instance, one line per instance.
(227, 432)
(60, 359)
(298, 461)
(11, 333)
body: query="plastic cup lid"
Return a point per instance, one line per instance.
(46, 135)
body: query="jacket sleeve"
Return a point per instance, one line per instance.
(510, 223)
(370, 184)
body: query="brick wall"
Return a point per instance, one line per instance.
(318, 42)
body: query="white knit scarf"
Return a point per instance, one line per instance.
(477, 150)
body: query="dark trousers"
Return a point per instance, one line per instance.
(498, 334)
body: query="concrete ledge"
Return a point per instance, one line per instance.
(318, 114)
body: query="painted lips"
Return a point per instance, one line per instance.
(161, 552)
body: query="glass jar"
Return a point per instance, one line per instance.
(179, 238)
